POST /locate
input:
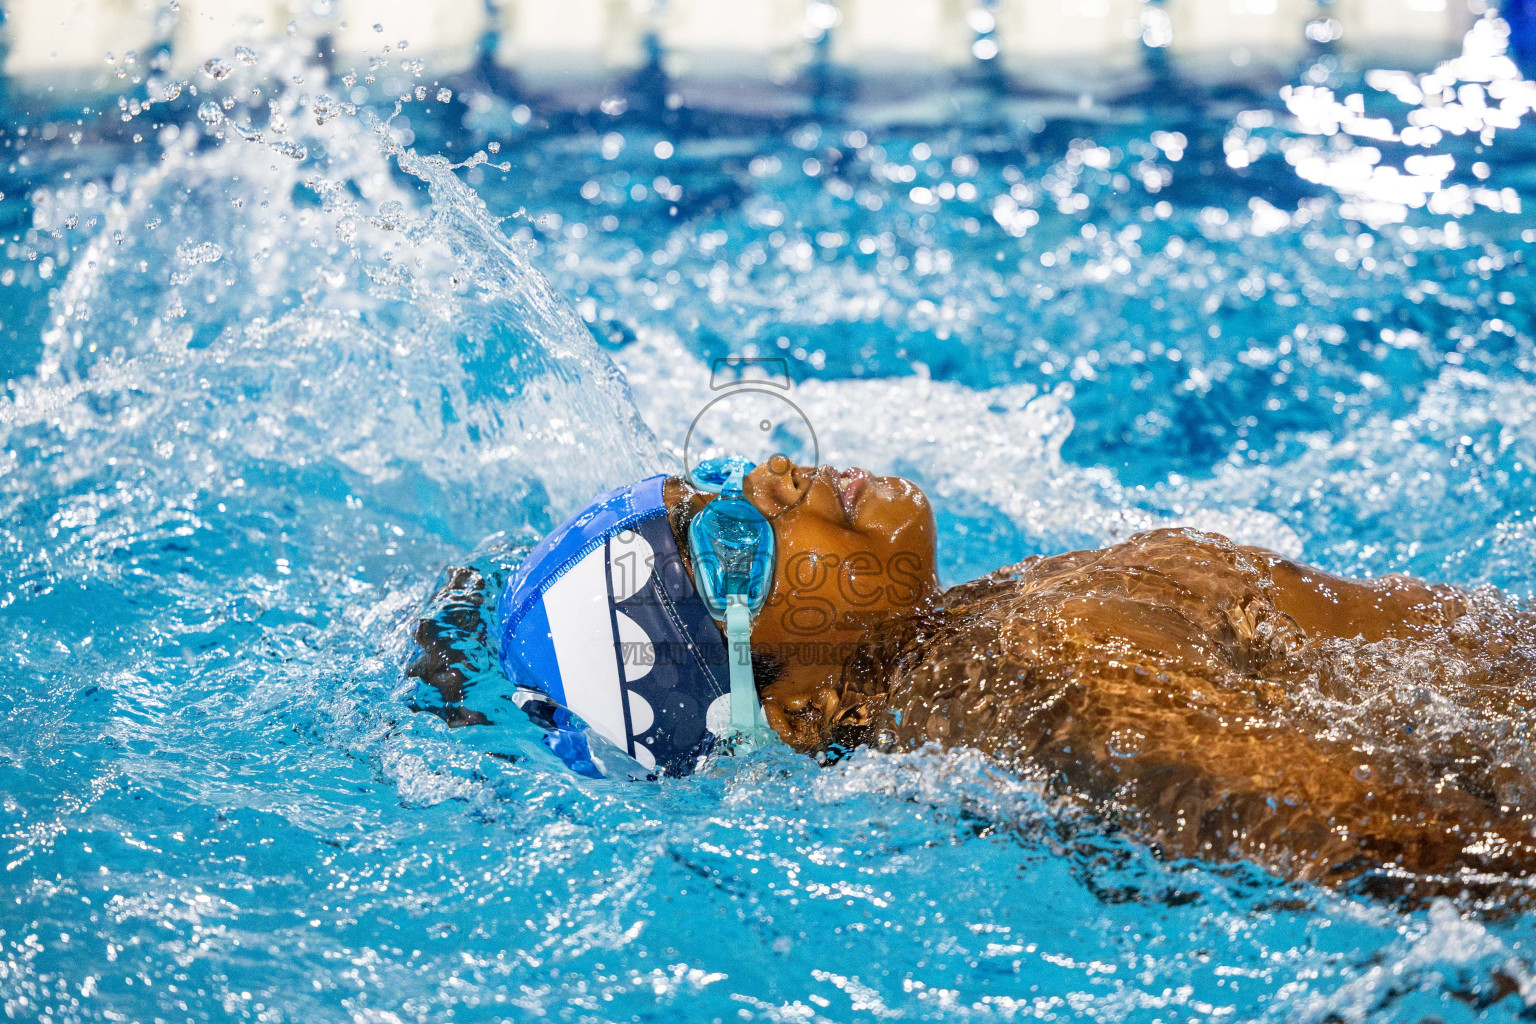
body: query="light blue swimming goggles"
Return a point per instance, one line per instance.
(732, 549)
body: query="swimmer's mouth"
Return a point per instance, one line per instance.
(850, 484)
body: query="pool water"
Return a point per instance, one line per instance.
(271, 372)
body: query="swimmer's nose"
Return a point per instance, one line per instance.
(777, 484)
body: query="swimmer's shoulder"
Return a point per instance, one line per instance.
(1169, 549)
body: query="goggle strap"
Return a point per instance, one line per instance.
(747, 720)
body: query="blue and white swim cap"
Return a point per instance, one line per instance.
(603, 618)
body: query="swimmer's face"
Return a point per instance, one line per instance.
(853, 551)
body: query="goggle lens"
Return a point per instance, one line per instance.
(730, 540)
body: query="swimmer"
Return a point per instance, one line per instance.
(1219, 701)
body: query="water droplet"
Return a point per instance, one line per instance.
(217, 68)
(245, 55)
(1363, 773)
(377, 27)
(444, 95)
(390, 214)
(209, 113)
(203, 252)
(327, 108)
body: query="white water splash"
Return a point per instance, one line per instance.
(355, 314)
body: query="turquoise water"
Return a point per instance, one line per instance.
(264, 384)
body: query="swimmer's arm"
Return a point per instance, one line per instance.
(1205, 769)
(1328, 606)
(452, 629)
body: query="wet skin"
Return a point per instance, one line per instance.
(1170, 682)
